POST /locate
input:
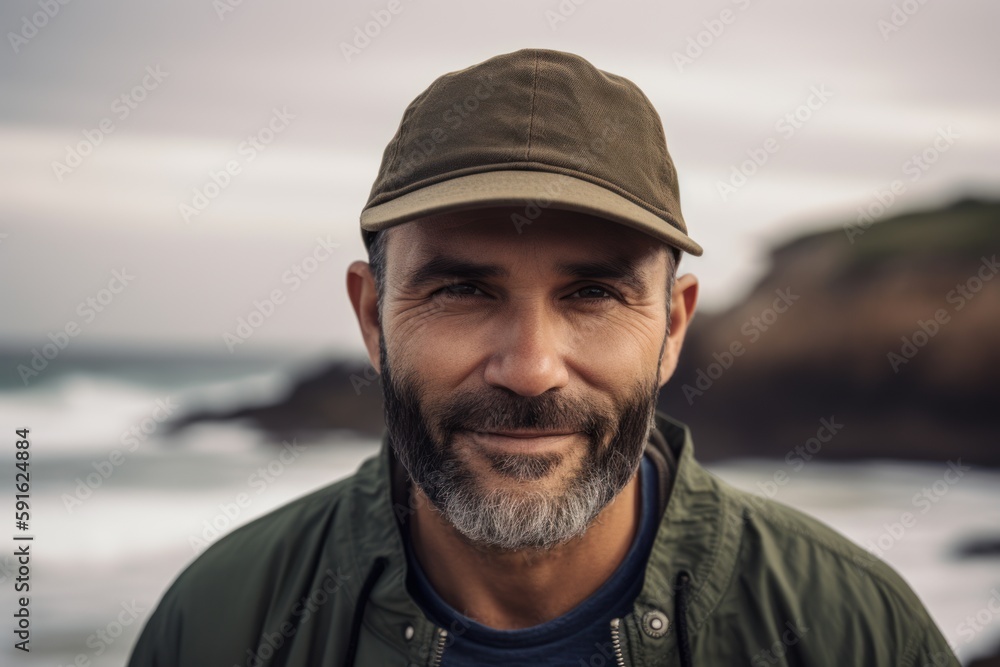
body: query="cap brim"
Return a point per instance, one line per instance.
(521, 188)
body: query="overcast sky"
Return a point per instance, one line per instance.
(198, 81)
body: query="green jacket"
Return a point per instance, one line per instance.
(733, 579)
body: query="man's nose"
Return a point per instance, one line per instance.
(528, 357)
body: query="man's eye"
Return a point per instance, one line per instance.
(465, 290)
(460, 290)
(594, 292)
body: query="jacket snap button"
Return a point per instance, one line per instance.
(654, 623)
(408, 633)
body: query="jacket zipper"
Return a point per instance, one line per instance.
(616, 641)
(439, 647)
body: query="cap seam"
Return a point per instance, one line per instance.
(531, 119)
(404, 125)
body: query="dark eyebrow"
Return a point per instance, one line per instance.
(448, 268)
(440, 267)
(620, 269)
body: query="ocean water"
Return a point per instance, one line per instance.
(111, 535)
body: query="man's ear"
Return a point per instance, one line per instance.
(364, 297)
(682, 305)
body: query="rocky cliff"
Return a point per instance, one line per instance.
(891, 332)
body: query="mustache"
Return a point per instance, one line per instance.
(495, 408)
(502, 410)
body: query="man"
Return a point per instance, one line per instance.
(529, 505)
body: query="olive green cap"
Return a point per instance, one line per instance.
(534, 128)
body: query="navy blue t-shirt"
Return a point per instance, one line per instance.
(582, 633)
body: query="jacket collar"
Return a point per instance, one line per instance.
(699, 533)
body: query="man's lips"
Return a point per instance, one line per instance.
(521, 441)
(527, 434)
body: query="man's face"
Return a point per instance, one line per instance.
(521, 370)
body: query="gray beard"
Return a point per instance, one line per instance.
(523, 519)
